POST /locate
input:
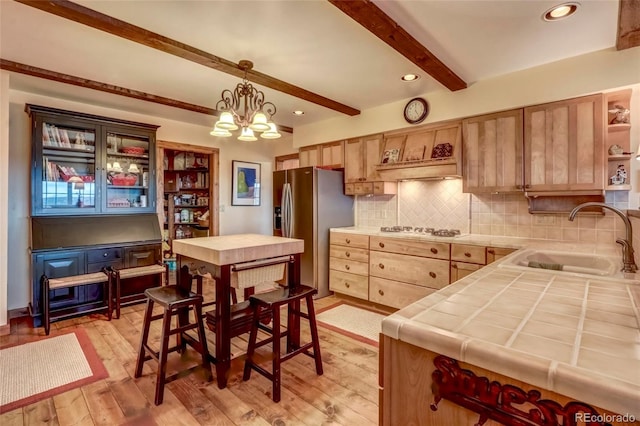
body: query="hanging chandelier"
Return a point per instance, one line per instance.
(245, 109)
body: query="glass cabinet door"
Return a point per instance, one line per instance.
(128, 175)
(67, 168)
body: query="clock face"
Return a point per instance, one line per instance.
(416, 110)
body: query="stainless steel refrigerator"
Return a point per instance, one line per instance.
(307, 202)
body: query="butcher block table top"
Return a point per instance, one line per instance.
(230, 249)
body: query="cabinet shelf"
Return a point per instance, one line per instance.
(125, 155)
(618, 127)
(618, 188)
(199, 169)
(181, 206)
(619, 157)
(127, 187)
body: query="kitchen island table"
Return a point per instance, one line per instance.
(223, 256)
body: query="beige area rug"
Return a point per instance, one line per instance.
(37, 370)
(357, 323)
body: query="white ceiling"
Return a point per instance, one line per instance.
(308, 43)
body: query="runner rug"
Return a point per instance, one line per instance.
(37, 370)
(357, 323)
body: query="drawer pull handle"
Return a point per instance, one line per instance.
(348, 254)
(491, 251)
(348, 241)
(434, 250)
(381, 245)
(347, 267)
(467, 254)
(381, 293)
(381, 265)
(347, 285)
(432, 274)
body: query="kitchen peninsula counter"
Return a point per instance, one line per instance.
(574, 336)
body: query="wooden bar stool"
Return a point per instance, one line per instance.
(175, 300)
(49, 284)
(272, 301)
(135, 272)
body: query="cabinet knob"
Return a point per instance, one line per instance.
(347, 254)
(518, 186)
(454, 265)
(527, 186)
(105, 254)
(467, 254)
(381, 293)
(491, 251)
(434, 250)
(432, 274)
(348, 241)
(347, 267)
(381, 245)
(381, 265)
(347, 285)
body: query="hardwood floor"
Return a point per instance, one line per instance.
(347, 393)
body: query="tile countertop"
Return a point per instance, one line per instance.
(576, 336)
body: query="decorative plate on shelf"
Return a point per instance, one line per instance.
(442, 150)
(133, 150)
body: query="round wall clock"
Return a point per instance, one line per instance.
(416, 110)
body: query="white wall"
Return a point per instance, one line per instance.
(233, 219)
(4, 194)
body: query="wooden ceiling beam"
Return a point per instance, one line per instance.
(108, 24)
(628, 24)
(386, 29)
(110, 88)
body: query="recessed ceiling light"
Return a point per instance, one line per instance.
(410, 77)
(560, 11)
(298, 112)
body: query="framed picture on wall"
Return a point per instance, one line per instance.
(245, 184)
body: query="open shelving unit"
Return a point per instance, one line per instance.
(618, 134)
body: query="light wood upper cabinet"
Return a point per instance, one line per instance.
(309, 156)
(332, 154)
(563, 145)
(361, 158)
(492, 152)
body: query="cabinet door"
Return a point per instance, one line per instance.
(353, 161)
(144, 255)
(492, 152)
(372, 154)
(128, 170)
(65, 173)
(332, 154)
(495, 253)
(460, 270)
(563, 145)
(309, 156)
(58, 265)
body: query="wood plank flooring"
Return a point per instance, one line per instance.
(347, 393)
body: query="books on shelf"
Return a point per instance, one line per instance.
(53, 136)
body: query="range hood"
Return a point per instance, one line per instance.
(430, 152)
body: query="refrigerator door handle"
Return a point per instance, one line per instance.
(287, 211)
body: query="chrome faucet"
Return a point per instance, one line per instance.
(627, 246)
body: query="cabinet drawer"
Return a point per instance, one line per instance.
(411, 247)
(394, 293)
(103, 255)
(416, 270)
(495, 253)
(460, 270)
(350, 266)
(363, 188)
(468, 253)
(349, 240)
(348, 253)
(349, 284)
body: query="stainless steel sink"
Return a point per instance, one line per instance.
(556, 261)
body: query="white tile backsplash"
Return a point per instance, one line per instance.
(442, 204)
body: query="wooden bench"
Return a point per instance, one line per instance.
(49, 284)
(135, 272)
